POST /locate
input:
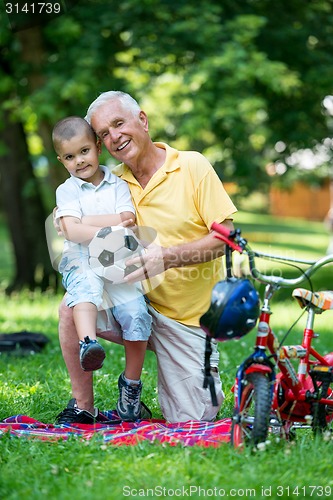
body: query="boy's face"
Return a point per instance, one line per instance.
(79, 156)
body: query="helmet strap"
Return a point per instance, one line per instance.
(228, 261)
(209, 379)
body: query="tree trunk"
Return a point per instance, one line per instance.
(33, 53)
(24, 210)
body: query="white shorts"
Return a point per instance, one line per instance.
(126, 301)
(180, 352)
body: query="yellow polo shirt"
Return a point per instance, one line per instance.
(180, 202)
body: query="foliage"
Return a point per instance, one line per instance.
(230, 79)
(241, 81)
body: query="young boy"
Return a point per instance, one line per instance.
(92, 198)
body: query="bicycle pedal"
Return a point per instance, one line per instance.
(322, 373)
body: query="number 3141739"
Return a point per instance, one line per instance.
(33, 8)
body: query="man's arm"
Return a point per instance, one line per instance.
(197, 251)
(157, 259)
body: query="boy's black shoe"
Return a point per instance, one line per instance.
(129, 406)
(129, 403)
(92, 355)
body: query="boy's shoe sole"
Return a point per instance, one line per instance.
(92, 355)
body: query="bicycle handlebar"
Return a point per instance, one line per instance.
(234, 239)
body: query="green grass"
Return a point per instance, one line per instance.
(38, 386)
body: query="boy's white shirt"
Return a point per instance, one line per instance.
(76, 198)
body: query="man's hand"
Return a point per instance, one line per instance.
(128, 223)
(151, 261)
(158, 259)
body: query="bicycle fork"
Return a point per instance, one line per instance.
(258, 361)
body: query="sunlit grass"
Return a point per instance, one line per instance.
(284, 236)
(38, 386)
(29, 311)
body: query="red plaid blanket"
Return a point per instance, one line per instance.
(127, 433)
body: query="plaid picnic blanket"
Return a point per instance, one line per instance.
(189, 433)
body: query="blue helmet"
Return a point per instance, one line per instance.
(233, 311)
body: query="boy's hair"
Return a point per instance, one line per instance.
(127, 101)
(70, 127)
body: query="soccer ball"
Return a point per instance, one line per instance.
(109, 249)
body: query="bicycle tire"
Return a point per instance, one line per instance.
(251, 421)
(321, 413)
(319, 423)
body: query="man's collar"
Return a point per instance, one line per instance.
(169, 165)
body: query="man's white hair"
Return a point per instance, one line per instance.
(126, 100)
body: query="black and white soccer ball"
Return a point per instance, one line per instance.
(109, 250)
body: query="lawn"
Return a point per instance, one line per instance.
(38, 386)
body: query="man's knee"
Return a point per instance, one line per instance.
(66, 321)
(188, 400)
(64, 310)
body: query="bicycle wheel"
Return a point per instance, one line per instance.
(250, 423)
(322, 413)
(319, 423)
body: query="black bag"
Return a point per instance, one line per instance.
(22, 342)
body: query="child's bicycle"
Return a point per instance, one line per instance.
(264, 401)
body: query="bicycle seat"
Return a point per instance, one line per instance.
(321, 300)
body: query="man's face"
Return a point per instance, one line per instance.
(123, 133)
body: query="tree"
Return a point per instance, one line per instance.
(237, 76)
(21, 194)
(23, 205)
(254, 77)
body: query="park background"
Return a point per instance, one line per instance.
(249, 84)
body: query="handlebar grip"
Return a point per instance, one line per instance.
(227, 235)
(219, 228)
